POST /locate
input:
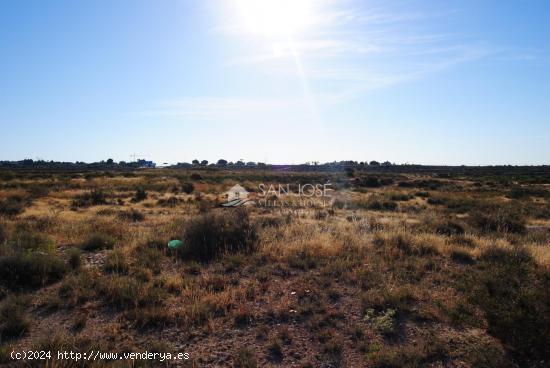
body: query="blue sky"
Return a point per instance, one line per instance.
(433, 82)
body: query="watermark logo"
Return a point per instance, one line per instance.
(236, 196)
(280, 195)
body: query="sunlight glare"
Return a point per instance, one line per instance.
(276, 18)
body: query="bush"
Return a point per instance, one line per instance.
(168, 202)
(187, 187)
(514, 294)
(400, 197)
(149, 258)
(75, 260)
(212, 235)
(3, 234)
(245, 359)
(95, 197)
(449, 228)
(131, 215)
(12, 206)
(504, 221)
(116, 262)
(97, 242)
(13, 319)
(25, 240)
(370, 182)
(377, 205)
(127, 292)
(23, 270)
(140, 195)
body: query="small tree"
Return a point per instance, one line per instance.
(222, 162)
(195, 162)
(374, 163)
(204, 162)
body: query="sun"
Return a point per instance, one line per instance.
(275, 18)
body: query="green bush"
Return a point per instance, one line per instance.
(212, 235)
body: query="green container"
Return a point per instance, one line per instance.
(175, 244)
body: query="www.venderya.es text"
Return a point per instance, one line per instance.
(95, 355)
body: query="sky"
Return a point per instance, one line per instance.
(287, 81)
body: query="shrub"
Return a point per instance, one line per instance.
(212, 235)
(275, 349)
(370, 182)
(513, 293)
(13, 319)
(385, 322)
(25, 240)
(245, 359)
(149, 258)
(127, 292)
(116, 262)
(449, 228)
(168, 202)
(504, 221)
(400, 197)
(131, 215)
(435, 201)
(3, 234)
(77, 289)
(97, 242)
(140, 195)
(95, 197)
(461, 256)
(75, 260)
(12, 206)
(187, 187)
(30, 270)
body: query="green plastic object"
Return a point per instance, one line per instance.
(175, 244)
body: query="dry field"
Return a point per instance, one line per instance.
(402, 270)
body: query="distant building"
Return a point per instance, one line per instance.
(144, 164)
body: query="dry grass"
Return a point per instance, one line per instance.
(400, 271)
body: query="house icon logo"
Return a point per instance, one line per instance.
(236, 196)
